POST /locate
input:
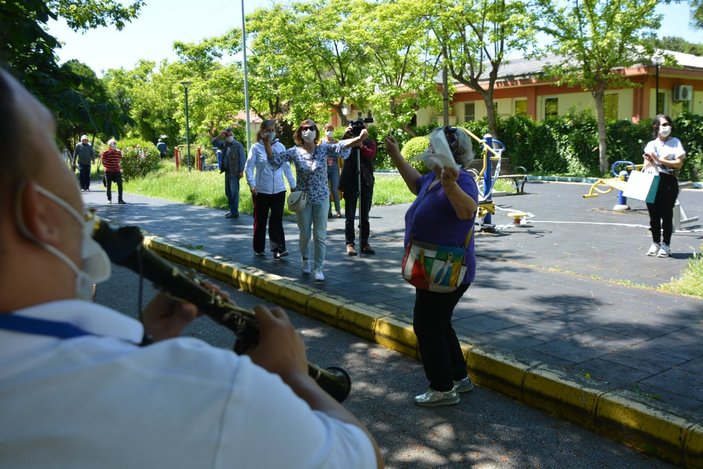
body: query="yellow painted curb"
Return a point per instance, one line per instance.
(324, 307)
(553, 391)
(642, 425)
(396, 334)
(355, 318)
(693, 447)
(494, 370)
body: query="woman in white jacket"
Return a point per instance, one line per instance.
(268, 192)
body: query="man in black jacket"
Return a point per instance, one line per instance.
(351, 183)
(233, 161)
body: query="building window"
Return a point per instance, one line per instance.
(469, 112)
(610, 103)
(551, 107)
(521, 107)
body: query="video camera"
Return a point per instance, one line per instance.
(359, 124)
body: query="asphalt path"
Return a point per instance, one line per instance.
(486, 430)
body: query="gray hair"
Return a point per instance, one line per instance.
(459, 143)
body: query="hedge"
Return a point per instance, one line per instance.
(568, 145)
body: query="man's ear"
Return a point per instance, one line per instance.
(39, 216)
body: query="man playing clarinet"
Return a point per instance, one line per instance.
(84, 386)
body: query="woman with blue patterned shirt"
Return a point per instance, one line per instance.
(310, 159)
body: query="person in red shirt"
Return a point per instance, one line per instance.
(113, 171)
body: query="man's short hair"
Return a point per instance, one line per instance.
(13, 171)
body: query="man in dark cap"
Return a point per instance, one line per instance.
(233, 161)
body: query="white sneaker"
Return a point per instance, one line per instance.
(319, 276)
(653, 249)
(434, 398)
(305, 266)
(664, 250)
(464, 385)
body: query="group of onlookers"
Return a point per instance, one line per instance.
(317, 162)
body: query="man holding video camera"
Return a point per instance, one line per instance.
(356, 182)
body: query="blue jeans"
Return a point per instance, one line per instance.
(232, 192)
(333, 176)
(313, 220)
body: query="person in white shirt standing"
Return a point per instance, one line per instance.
(79, 386)
(268, 192)
(664, 155)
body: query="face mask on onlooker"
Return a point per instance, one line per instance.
(664, 130)
(309, 135)
(229, 139)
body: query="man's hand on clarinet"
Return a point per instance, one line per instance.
(280, 349)
(165, 316)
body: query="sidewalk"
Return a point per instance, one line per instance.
(562, 315)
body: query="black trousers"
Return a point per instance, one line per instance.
(439, 347)
(265, 204)
(350, 199)
(117, 178)
(661, 212)
(84, 176)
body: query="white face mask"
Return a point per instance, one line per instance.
(229, 139)
(309, 135)
(665, 131)
(328, 133)
(272, 136)
(96, 264)
(113, 146)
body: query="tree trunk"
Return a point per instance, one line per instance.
(599, 98)
(490, 115)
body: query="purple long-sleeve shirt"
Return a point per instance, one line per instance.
(431, 218)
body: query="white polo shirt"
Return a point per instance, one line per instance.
(101, 401)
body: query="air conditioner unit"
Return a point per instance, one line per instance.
(683, 93)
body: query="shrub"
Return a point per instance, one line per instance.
(139, 158)
(412, 149)
(689, 129)
(626, 140)
(568, 144)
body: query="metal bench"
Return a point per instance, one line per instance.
(518, 175)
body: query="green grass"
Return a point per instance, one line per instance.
(207, 189)
(204, 188)
(691, 281)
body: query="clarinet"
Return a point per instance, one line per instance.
(125, 247)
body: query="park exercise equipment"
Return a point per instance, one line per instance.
(492, 151)
(621, 171)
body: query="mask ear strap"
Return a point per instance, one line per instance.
(25, 231)
(19, 214)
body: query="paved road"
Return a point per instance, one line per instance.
(487, 430)
(570, 293)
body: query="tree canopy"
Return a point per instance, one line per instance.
(312, 59)
(594, 39)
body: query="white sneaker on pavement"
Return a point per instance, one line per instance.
(664, 250)
(433, 398)
(305, 266)
(653, 249)
(319, 276)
